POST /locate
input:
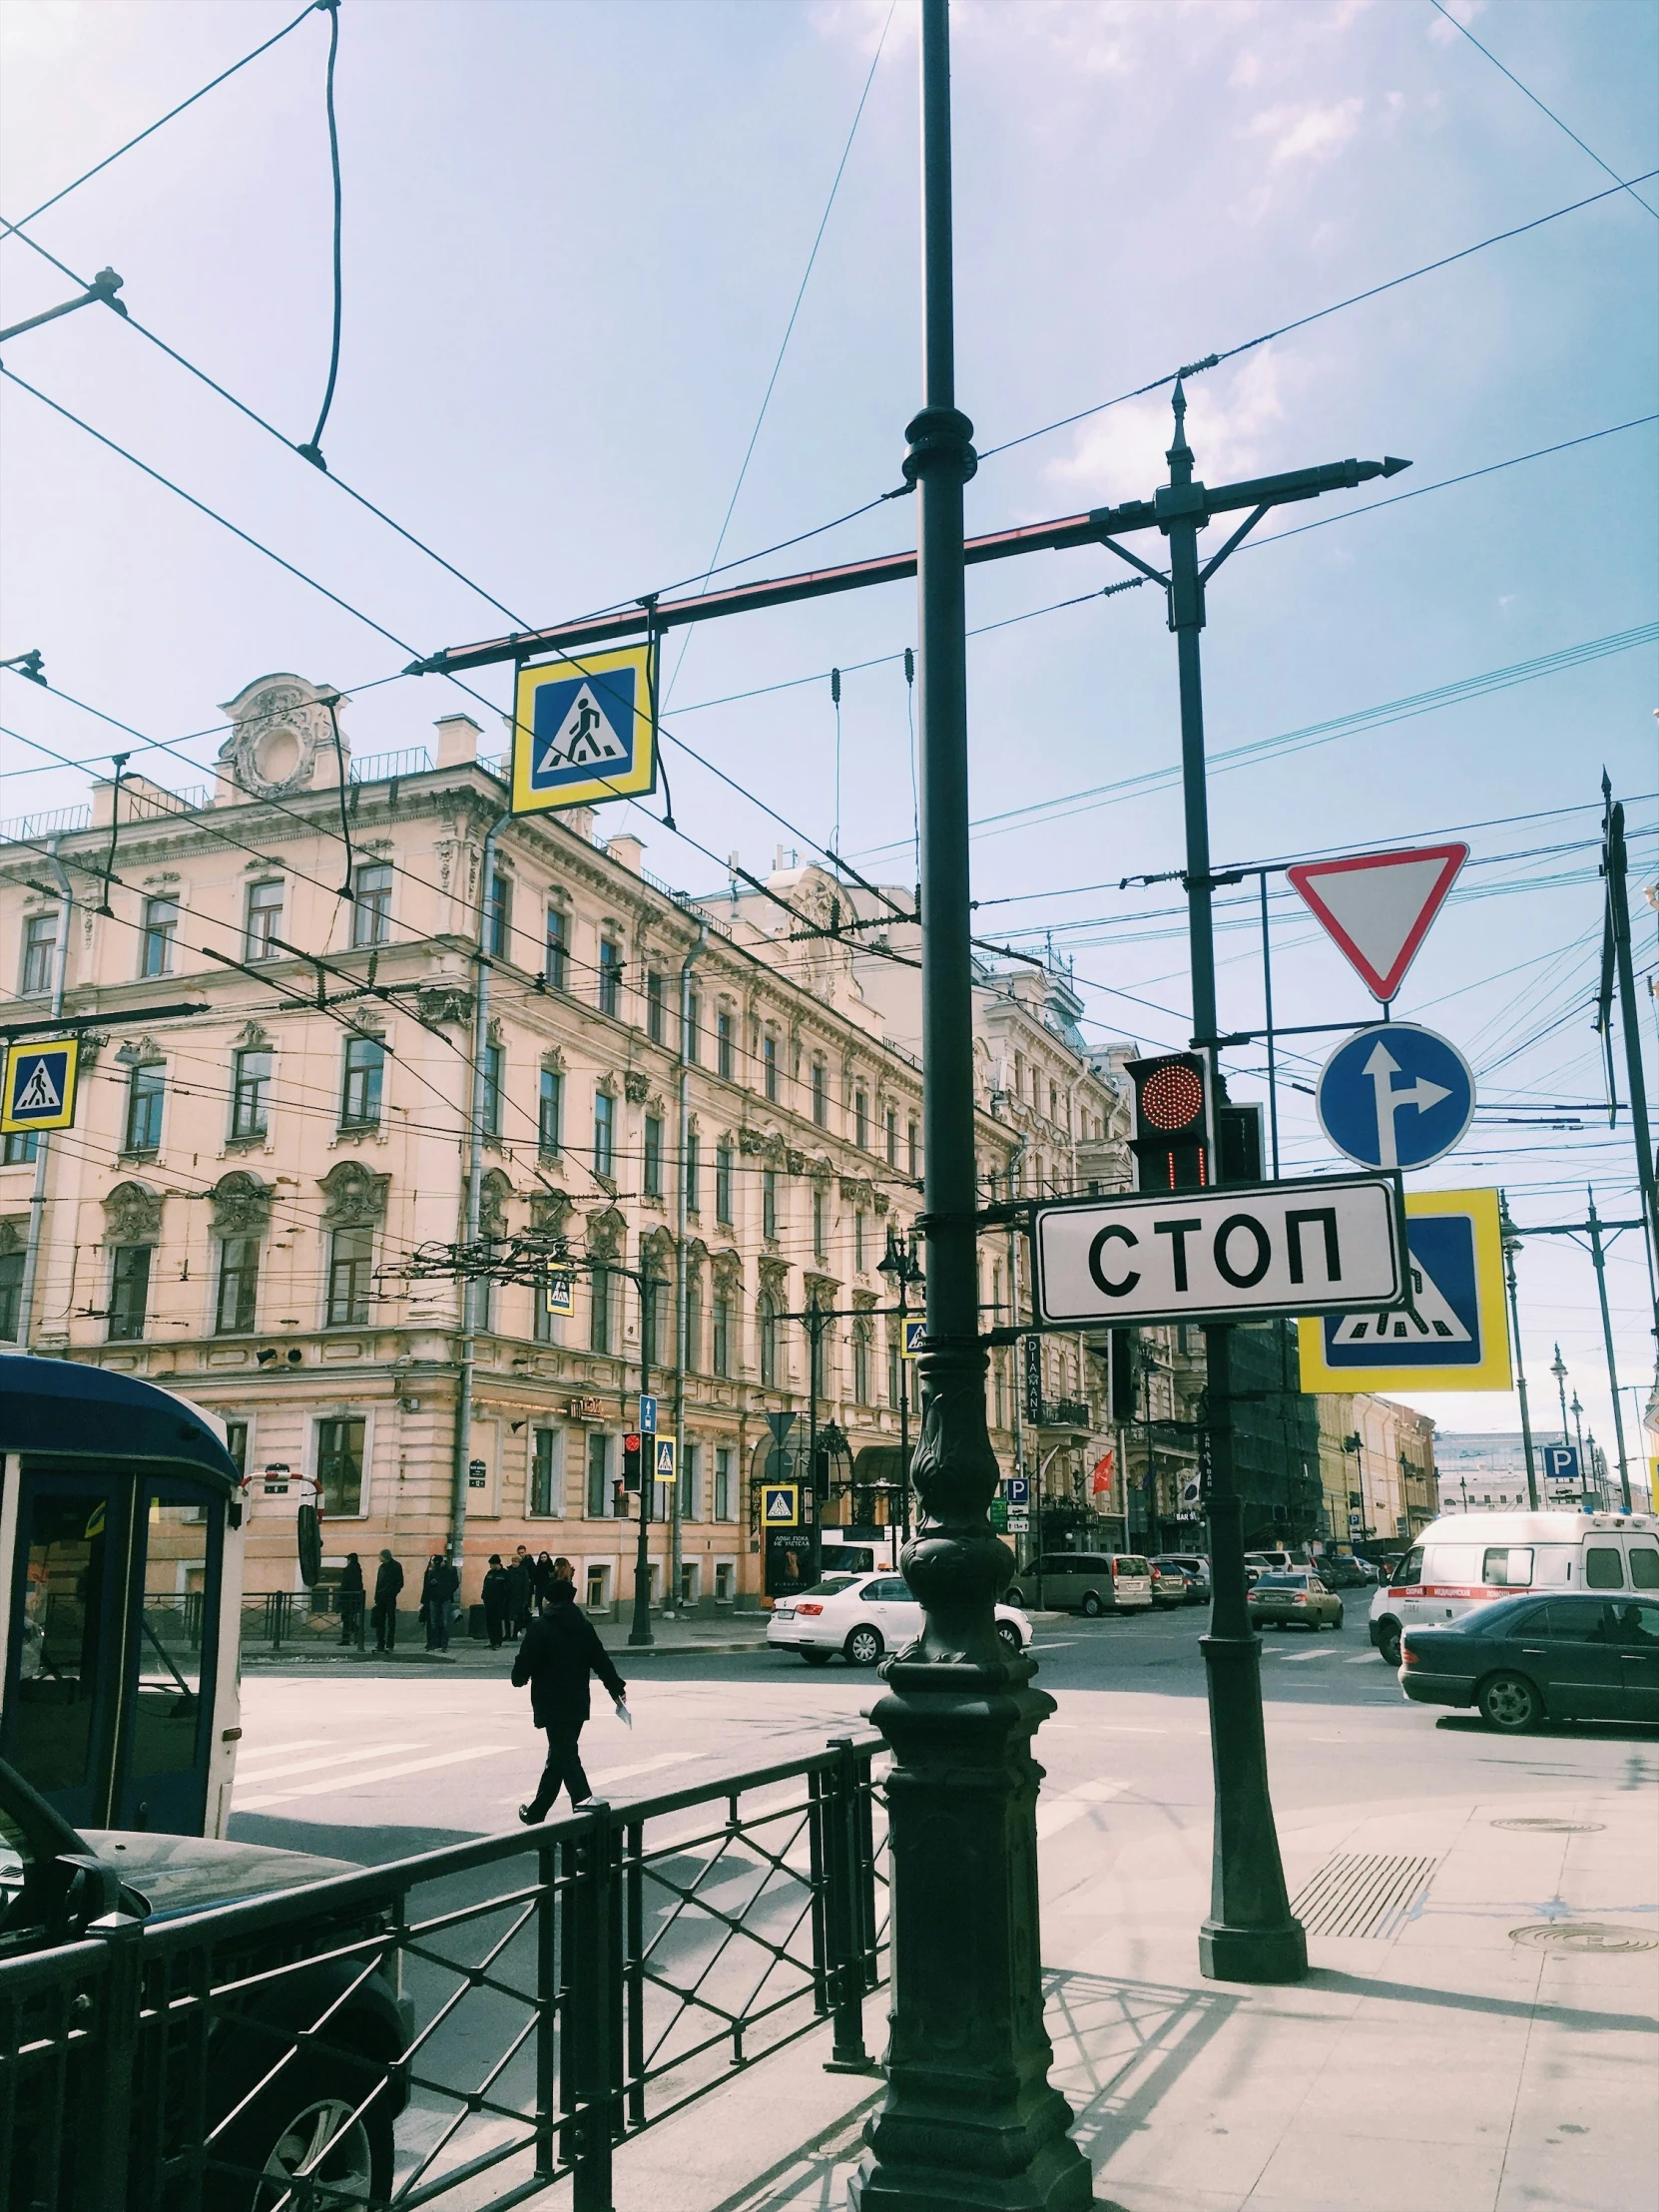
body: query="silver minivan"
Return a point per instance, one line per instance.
(1087, 1582)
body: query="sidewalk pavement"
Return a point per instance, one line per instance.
(1472, 2054)
(671, 1638)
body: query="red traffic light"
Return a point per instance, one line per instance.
(630, 1443)
(1170, 1143)
(1172, 1097)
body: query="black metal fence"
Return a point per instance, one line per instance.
(459, 2028)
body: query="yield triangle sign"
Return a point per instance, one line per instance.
(1378, 906)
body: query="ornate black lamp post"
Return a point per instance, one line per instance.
(969, 2117)
(900, 1269)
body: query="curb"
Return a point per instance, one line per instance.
(337, 1656)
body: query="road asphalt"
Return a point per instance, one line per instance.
(1475, 2049)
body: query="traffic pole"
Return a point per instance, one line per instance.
(970, 2117)
(640, 1630)
(1512, 1245)
(1615, 866)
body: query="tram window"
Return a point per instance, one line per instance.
(168, 1704)
(50, 1739)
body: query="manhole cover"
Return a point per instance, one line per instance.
(1592, 1935)
(1555, 1828)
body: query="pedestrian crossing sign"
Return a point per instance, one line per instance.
(561, 1293)
(585, 731)
(781, 1504)
(916, 1333)
(40, 1086)
(1456, 1334)
(664, 1458)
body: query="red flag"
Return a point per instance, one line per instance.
(1102, 1474)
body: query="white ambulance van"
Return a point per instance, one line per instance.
(1466, 1559)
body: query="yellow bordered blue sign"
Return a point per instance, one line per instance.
(1456, 1335)
(781, 1504)
(915, 1335)
(561, 1293)
(40, 1085)
(585, 731)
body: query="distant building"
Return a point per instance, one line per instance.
(1376, 1470)
(1487, 1474)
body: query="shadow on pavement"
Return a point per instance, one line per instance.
(1463, 2001)
(1595, 1732)
(1119, 2047)
(362, 1847)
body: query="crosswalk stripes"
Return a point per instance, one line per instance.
(1056, 1812)
(256, 1773)
(349, 1784)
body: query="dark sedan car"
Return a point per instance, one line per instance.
(1526, 1659)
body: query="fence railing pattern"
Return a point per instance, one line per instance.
(460, 2028)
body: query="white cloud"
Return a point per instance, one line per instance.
(1307, 132)
(1247, 70)
(1230, 418)
(1442, 32)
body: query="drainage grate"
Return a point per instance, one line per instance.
(1605, 1936)
(1555, 1828)
(1363, 1893)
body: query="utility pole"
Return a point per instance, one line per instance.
(1600, 1258)
(969, 2115)
(1512, 1245)
(640, 1630)
(1596, 1230)
(1616, 868)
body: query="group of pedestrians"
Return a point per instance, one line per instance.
(515, 1590)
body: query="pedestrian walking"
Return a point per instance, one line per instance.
(349, 1596)
(389, 1581)
(437, 1596)
(519, 1585)
(560, 1651)
(496, 1600)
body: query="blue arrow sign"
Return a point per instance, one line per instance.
(1395, 1096)
(647, 1416)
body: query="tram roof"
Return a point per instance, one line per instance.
(68, 1409)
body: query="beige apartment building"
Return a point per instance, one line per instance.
(1377, 1469)
(245, 1182)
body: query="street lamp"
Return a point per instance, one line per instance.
(1558, 1368)
(900, 1269)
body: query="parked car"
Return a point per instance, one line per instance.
(56, 1881)
(1169, 1584)
(863, 1617)
(1522, 1660)
(1194, 1567)
(1338, 1573)
(1087, 1582)
(1263, 1560)
(1296, 1599)
(1468, 1559)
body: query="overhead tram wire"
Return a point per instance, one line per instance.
(1604, 166)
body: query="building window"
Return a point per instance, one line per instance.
(599, 1310)
(264, 922)
(694, 1326)
(249, 1094)
(544, 1326)
(498, 922)
(239, 1283)
(372, 907)
(654, 1007)
(129, 1293)
(610, 977)
(860, 1118)
(351, 1251)
(911, 1137)
(340, 1464)
(20, 1147)
(495, 1057)
(893, 1136)
(654, 1323)
(693, 1172)
(769, 1066)
(724, 1050)
(723, 1184)
(821, 1094)
(601, 1504)
(691, 1482)
(144, 1089)
(365, 1069)
(556, 974)
(235, 1444)
(820, 1232)
(861, 1363)
(161, 935)
(11, 1296)
(721, 1362)
(550, 1112)
(653, 1156)
(40, 953)
(604, 1132)
(694, 1029)
(544, 1475)
(769, 1203)
(767, 1319)
(859, 1242)
(725, 1502)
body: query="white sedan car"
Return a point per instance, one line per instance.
(863, 1617)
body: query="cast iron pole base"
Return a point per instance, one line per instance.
(1250, 1934)
(970, 2124)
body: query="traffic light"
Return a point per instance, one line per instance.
(1238, 1144)
(1120, 1375)
(631, 1459)
(1170, 1143)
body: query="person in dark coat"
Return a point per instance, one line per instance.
(437, 1595)
(389, 1581)
(542, 1576)
(518, 1594)
(496, 1600)
(559, 1652)
(350, 1598)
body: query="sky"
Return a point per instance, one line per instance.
(573, 238)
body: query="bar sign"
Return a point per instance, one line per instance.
(1034, 1381)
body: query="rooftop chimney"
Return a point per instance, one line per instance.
(628, 852)
(458, 737)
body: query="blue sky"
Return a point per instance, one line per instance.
(573, 237)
